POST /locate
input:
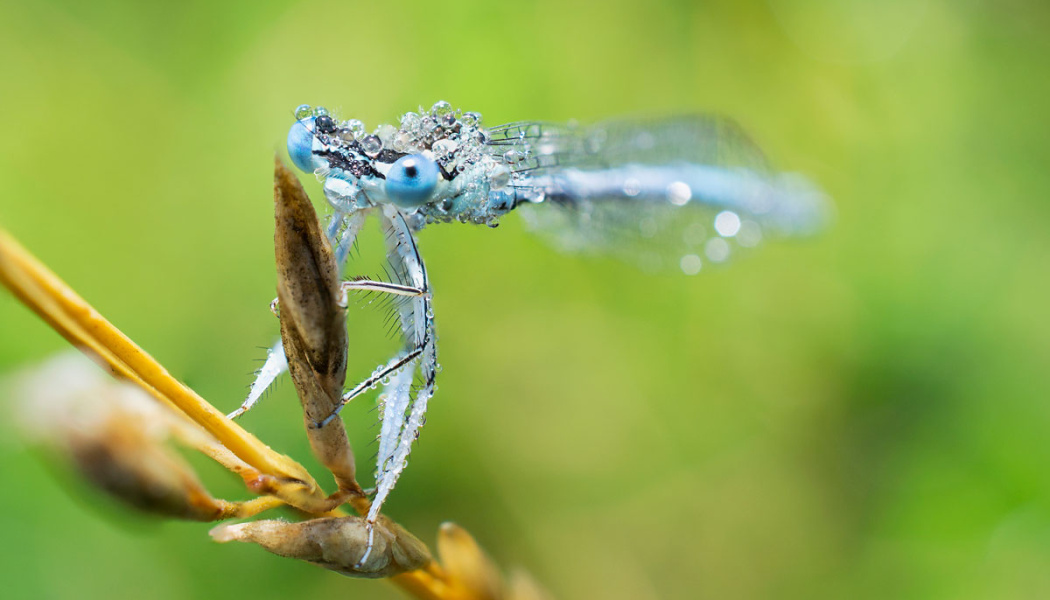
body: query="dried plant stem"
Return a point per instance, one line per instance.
(264, 470)
(75, 319)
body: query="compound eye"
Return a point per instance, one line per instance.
(411, 180)
(301, 145)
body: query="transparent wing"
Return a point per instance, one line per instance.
(536, 147)
(660, 193)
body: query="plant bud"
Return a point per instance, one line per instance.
(313, 322)
(523, 587)
(466, 562)
(115, 435)
(335, 543)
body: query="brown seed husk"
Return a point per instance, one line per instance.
(115, 435)
(313, 323)
(335, 543)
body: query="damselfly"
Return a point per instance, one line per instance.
(674, 193)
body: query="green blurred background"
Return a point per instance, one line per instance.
(862, 415)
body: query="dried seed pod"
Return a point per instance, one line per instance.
(115, 435)
(467, 563)
(335, 543)
(313, 322)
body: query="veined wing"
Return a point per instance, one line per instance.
(660, 193)
(698, 139)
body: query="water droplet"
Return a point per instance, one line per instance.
(750, 234)
(386, 133)
(320, 111)
(444, 147)
(694, 234)
(470, 119)
(499, 179)
(409, 121)
(371, 144)
(303, 111)
(512, 157)
(717, 249)
(356, 127)
(402, 140)
(596, 139)
(727, 223)
(690, 264)
(679, 193)
(440, 108)
(632, 187)
(325, 124)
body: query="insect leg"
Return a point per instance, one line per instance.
(276, 363)
(403, 415)
(383, 371)
(370, 285)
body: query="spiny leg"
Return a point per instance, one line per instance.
(276, 363)
(403, 415)
(382, 372)
(371, 285)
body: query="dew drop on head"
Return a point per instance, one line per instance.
(371, 144)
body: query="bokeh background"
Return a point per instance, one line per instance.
(864, 414)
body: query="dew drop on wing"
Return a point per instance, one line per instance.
(736, 195)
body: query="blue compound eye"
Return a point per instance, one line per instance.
(411, 180)
(301, 145)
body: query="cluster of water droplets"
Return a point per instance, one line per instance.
(730, 230)
(452, 136)
(455, 139)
